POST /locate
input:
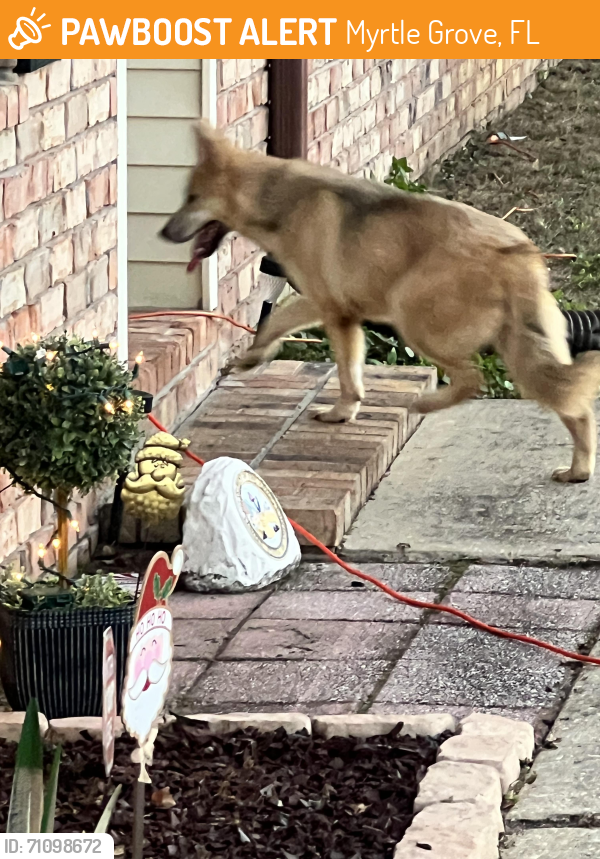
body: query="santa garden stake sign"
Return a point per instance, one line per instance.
(150, 655)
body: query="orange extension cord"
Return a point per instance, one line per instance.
(212, 315)
(455, 612)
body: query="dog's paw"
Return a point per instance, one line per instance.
(567, 475)
(248, 361)
(339, 414)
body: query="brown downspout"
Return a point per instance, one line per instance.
(288, 108)
(288, 131)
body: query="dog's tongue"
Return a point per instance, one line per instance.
(206, 243)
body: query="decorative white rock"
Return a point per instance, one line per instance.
(263, 722)
(451, 830)
(11, 724)
(520, 734)
(236, 536)
(375, 724)
(462, 782)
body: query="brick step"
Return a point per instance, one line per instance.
(322, 473)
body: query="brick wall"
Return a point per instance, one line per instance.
(58, 148)
(364, 111)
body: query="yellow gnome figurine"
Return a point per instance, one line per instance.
(155, 491)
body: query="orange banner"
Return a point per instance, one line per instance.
(131, 28)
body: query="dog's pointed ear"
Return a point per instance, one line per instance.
(208, 141)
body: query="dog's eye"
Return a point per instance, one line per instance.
(192, 198)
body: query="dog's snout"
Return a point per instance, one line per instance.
(171, 233)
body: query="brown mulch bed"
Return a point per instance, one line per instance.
(249, 794)
(561, 188)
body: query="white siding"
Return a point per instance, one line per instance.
(164, 99)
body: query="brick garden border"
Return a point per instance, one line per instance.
(458, 808)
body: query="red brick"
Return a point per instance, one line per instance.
(98, 278)
(113, 269)
(51, 218)
(38, 180)
(113, 97)
(236, 103)
(25, 235)
(104, 232)
(16, 192)
(63, 168)
(82, 246)
(112, 184)
(51, 309)
(3, 108)
(76, 292)
(23, 103)
(98, 100)
(20, 326)
(12, 113)
(76, 114)
(8, 534)
(97, 191)
(186, 393)
(28, 511)
(37, 274)
(59, 79)
(61, 258)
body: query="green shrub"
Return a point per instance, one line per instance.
(68, 416)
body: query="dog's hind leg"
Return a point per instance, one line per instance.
(297, 314)
(465, 383)
(535, 350)
(584, 435)
(348, 341)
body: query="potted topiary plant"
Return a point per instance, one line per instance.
(68, 421)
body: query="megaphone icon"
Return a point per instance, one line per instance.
(27, 32)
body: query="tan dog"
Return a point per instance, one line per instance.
(450, 278)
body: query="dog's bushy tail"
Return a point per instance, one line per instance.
(535, 349)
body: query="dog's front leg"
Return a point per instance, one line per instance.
(348, 341)
(296, 315)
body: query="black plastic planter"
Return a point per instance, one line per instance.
(56, 657)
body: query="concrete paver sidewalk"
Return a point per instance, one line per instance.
(553, 813)
(323, 641)
(474, 482)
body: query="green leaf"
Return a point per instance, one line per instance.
(104, 821)
(167, 589)
(27, 794)
(156, 586)
(50, 794)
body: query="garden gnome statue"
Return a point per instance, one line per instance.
(236, 537)
(155, 490)
(150, 656)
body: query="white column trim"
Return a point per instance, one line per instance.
(210, 271)
(122, 292)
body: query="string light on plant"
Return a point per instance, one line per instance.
(35, 338)
(139, 358)
(128, 406)
(56, 543)
(50, 355)
(113, 345)
(41, 552)
(75, 525)
(108, 407)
